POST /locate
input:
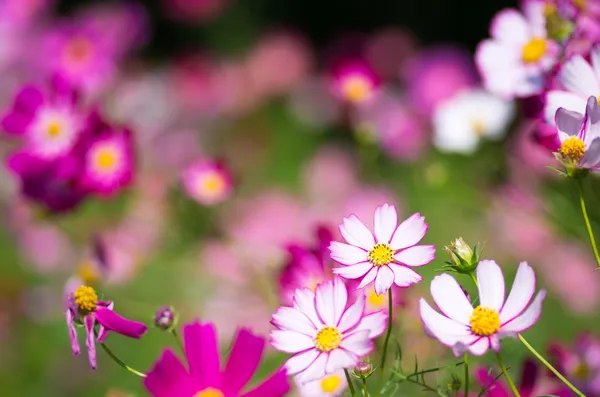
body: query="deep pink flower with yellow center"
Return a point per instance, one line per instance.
(208, 182)
(386, 256)
(205, 376)
(354, 82)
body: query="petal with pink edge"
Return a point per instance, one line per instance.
(385, 222)
(324, 298)
(353, 271)
(291, 342)
(304, 301)
(202, 353)
(353, 314)
(276, 386)
(528, 318)
(299, 362)
(340, 359)
(520, 295)
(347, 254)
(480, 347)
(409, 233)
(169, 378)
(451, 299)
(375, 323)
(384, 280)
(243, 361)
(356, 233)
(358, 343)
(340, 299)
(418, 255)
(491, 284)
(370, 276)
(404, 276)
(290, 318)
(315, 371)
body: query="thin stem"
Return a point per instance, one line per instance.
(350, 385)
(385, 343)
(466, 375)
(474, 278)
(550, 367)
(364, 384)
(178, 339)
(120, 362)
(587, 223)
(508, 379)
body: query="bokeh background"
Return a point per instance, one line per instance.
(246, 82)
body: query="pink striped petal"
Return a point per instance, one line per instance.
(491, 285)
(370, 276)
(409, 233)
(353, 314)
(291, 342)
(385, 222)
(521, 293)
(528, 318)
(451, 299)
(347, 254)
(384, 280)
(340, 359)
(418, 255)
(292, 319)
(301, 361)
(356, 233)
(404, 276)
(354, 271)
(315, 371)
(340, 299)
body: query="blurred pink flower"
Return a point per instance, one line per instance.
(23, 11)
(436, 74)
(354, 81)
(208, 182)
(528, 158)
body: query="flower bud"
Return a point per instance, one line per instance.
(455, 383)
(363, 369)
(165, 318)
(463, 259)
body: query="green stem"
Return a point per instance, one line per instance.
(587, 223)
(474, 278)
(385, 343)
(466, 375)
(120, 362)
(350, 385)
(364, 384)
(550, 367)
(508, 379)
(178, 339)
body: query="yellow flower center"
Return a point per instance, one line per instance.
(356, 89)
(381, 255)
(485, 321)
(328, 339)
(572, 148)
(54, 129)
(210, 392)
(330, 383)
(85, 299)
(375, 300)
(534, 50)
(106, 159)
(582, 371)
(478, 126)
(88, 273)
(212, 183)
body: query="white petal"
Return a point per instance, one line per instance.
(592, 130)
(340, 359)
(291, 342)
(510, 26)
(368, 278)
(491, 285)
(304, 301)
(347, 254)
(528, 317)
(375, 323)
(386, 220)
(521, 293)
(290, 318)
(384, 280)
(300, 361)
(569, 123)
(340, 299)
(595, 55)
(447, 331)
(480, 347)
(354, 271)
(315, 371)
(358, 343)
(495, 343)
(353, 314)
(462, 347)
(324, 299)
(577, 76)
(451, 299)
(404, 276)
(499, 67)
(591, 157)
(562, 99)
(418, 255)
(356, 233)
(409, 233)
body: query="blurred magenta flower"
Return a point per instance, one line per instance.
(513, 63)
(581, 362)
(353, 81)
(208, 182)
(323, 332)
(206, 376)
(475, 330)
(85, 308)
(385, 257)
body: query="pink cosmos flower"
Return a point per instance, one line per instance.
(84, 307)
(580, 363)
(475, 330)
(206, 376)
(578, 80)
(332, 385)
(385, 256)
(514, 61)
(354, 82)
(207, 182)
(323, 333)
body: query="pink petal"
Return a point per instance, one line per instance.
(340, 299)
(491, 285)
(495, 343)
(577, 76)
(368, 278)
(595, 56)
(347, 254)
(324, 298)
(521, 293)
(89, 321)
(510, 26)
(562, 99)
(447, 331)
(375, 323)
(301, 361)
(243, 361)
(569, 123)
(290, 318)
(354, 271)
(356, 233)
(409, 233)
(353, 314)
(315, 371)
(451, 299)
(277, 386)
(386, 220)
(202, 353)
(169, 378)
(528, 317)
(358, 343)
(384, 280)
(73, 332)
(304, 301)
(418, 255)
(480, 347)
(291, 342)
(115, 323)
(340, 359)
(404, 276)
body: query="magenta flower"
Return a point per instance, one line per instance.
(385, 256)
(354, 82)
(85, 308)
(323, 332)
(207, 182)
(205, 378)
(581, 363)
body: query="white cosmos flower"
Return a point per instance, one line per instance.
(475, 330)
(332, 385)
(323, 332)
(462, 120)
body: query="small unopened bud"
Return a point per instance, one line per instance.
(165, 318)
(463, 259)
(363, 369)
(455, 383)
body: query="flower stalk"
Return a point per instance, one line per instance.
(587, 223)
(385, 343)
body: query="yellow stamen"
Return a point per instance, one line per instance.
(86, 299)
(375, 300)
(88, 273)
(572, 148)
(106, 159)
(478, 126)
(356, 89)
(212, 183)
(328, 339)
(330, 383)
(485, 321)
(381, 255)
(582, 371)
(534, 50)
(54, 129)
(210, 392)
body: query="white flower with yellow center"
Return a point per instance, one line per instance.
(475, 330)
(324, 333)
(53, 131)
(332, 385)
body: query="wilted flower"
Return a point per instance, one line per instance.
(475, 330)
(581, 363)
